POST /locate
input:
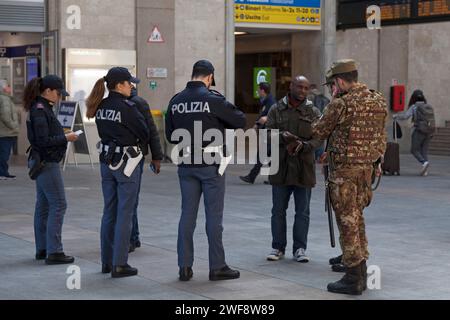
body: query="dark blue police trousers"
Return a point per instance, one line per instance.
(135, 222)
(193, 182)
(119, 194)
(50, 209)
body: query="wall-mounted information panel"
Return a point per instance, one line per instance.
(352, 13)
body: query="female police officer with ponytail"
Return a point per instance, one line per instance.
(122, 128)
(48, 143)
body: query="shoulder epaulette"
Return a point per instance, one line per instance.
(129, 102)
(217, 93)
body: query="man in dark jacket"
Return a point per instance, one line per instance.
(293, 116)
(157, 156)
(267, 101)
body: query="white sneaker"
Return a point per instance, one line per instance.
(300, 255)
(425, 166)
(275, 255)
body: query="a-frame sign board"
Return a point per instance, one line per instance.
(69, 115)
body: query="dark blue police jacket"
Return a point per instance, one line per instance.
(119, 121)
(44, 131)
(197, 103)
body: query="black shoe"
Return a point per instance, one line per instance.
(247, 179)
(351, 282)
(106, 268)
(223, 274)
(41, 254)
(137, 244)
(9, 177)
(339, 267)
(336, 260)
(123, 271)
(185, 273)
(59, 258)
(267, 182)
(131, 248)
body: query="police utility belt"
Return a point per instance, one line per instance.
(224, 160)
(131, 156)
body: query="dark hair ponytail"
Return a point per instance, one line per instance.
(31, 92)
(94, 99)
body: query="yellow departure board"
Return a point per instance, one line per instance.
(434, 8)
(395, 11)
(353, 14)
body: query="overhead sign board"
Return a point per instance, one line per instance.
(284, 14)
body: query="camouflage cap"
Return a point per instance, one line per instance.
(342, 66)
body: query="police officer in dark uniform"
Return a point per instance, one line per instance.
(194, 106)
(48, 146)
(157, 155)
(122, 129)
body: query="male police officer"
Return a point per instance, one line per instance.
(193, 106)
(354, 123)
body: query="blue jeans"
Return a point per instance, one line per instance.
(50, 209)
(6, 144)
(135, 225)
(280, 199)
(193, 182)
(119, 195)
(420, 143)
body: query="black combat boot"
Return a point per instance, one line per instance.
(336, 260)
(339, 267)
(351, 282)
(364, 274)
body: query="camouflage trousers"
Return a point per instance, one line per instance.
(350, 191)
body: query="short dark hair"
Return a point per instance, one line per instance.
(265, 86)
(351, 76)
(200, 73)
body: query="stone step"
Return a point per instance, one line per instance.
(439, 152)
(440, 139)
(442, 130)
(433, 149)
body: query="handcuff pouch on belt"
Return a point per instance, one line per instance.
(115, 156)
(108, 155)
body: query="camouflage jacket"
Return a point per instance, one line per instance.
(296, 170)
(354, 124)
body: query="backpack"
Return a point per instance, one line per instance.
(424, 118)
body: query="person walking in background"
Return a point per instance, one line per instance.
(422, 115)
(267, 101)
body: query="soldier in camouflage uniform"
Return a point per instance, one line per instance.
(354, 123)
